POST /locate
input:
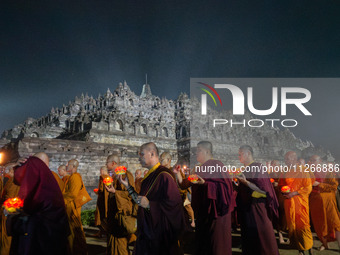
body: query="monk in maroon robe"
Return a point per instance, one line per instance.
(160, 218)
(257, 207)
(213, 202)
(42, 227)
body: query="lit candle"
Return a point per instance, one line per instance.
(285, 189)
(13, 204)
(108, 181)
(193, 178)
(120, 170)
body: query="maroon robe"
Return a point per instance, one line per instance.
(159, 228)
(256, 215)
(213, 203)
(42, 228)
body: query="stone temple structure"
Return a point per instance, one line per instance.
(89, 129)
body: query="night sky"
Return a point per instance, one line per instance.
(52, 51)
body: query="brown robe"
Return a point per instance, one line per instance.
(256, 215)
(119, 203)
(159, 228)
(212, 203)
(100, 218)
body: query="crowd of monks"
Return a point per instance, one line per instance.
(152, 213)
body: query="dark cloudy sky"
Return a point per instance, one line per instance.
(51, 51)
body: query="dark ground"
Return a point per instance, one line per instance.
(97, 246)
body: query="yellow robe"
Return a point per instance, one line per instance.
(77, 238)
(297, 209)
(59, 181)
(9, 191)
(323, 207)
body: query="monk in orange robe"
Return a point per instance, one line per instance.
(323, 208)
(10, 190)
(297, 204)
(100, 216)
(77, 240)
(59, 181)
(63, 173)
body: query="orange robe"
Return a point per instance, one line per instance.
(59, 181)
(9, 191)
(77, 238)
(121, 203)
(323, 207)
(297, 209)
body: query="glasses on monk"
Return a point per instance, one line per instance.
(114, 162)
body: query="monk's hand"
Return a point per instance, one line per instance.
(200, 180)
(124, 181)
(21, 161)
(290, 195)
(178, 170)
(143, 202)
(242, 178)
(110, 189)
(316, 183)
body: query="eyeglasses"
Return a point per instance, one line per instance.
(114, 162)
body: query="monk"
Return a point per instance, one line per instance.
(257, 207)
(160, 218)
(41, 227)
(138, 180)
(323, 208)
(296, 204)
(10, 190)
(212, 201)
(120, 205)
(100, 217)
(280, 224)
(63, 173)
(165, 160)
(59, 181)
(73, 185)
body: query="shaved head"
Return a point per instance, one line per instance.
(245, 154)
(315, 159)
(291, 158)
(148, 155)
(103, 170)
(206, 145)
(247, 148)
(72, 166)
(113, 157)
(151, 147)
(62, 170)
(112, 161)
(43, 157)
(165, 159)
